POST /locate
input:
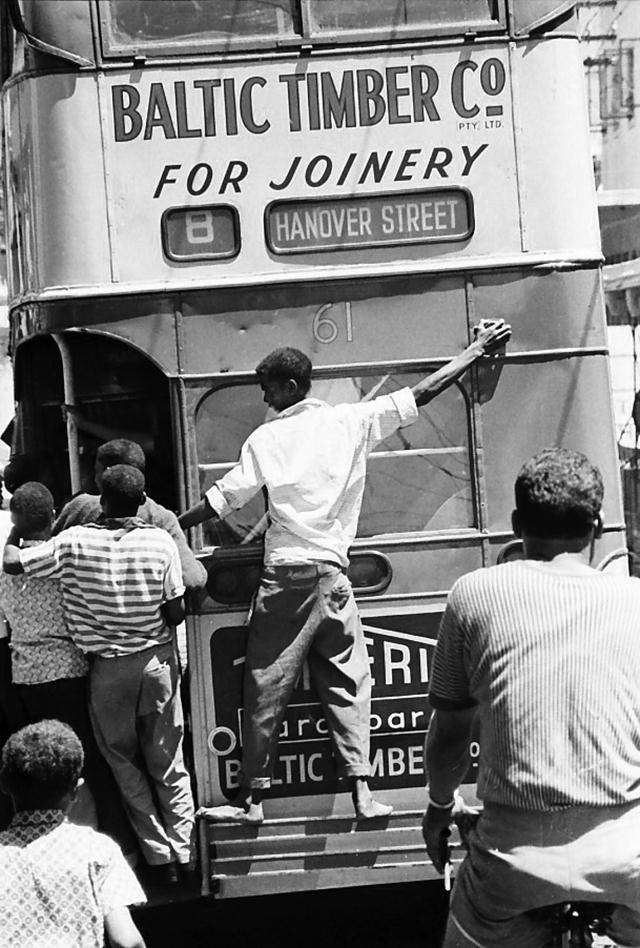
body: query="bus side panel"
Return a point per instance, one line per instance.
(334, 323)
(57, 183)
(550, 311)
(575, 413)
(555, 151)
(554, 389)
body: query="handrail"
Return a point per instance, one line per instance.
(70, 399)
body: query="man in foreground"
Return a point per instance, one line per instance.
(546, 652)
(312, 458)
(59, 883)
(122, 592)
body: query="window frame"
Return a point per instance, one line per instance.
(345, 372)
(193, 48)
(498, 25)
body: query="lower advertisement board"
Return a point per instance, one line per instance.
(400, 649)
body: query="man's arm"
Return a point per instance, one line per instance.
(172, 607)
(232, 491)
(173, 611)
(446, 762)
(120, 929)
(197, 514)
(193, 572)
(490, 335)
(42, 561)
(11, 562)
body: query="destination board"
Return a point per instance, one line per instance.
(433, 215)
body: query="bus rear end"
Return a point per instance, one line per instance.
(365, 182)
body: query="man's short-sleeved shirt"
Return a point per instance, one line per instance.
(86, 508)
(58, 883)
(312, 460)
(41, 647)
(552, 661)
(114, 577)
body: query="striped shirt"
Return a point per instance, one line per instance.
(114, 578)
(552, 660)
(312, 458)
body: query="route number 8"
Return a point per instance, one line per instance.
(199, 227)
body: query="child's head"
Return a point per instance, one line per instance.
(118, 451)
(32, 510)
(122, 490)
(41, 766)
(285, 377)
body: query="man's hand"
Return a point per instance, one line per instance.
(11, 562)
(492, 334)
(435, 822)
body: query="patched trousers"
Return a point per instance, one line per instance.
(520, 861)
(138, 722)
(305, 612)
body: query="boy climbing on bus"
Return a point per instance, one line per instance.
(311, 458)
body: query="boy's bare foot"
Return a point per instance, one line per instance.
(372, 810)
(249, 810)
(254, 813)
(365, 806)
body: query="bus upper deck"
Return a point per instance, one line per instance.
(363, 181)
(288, 164)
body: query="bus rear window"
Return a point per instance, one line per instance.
(418, 480)
(185, 27)
(152, 25)
(330, 16)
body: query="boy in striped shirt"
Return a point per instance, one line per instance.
(49, 671)
(122, 592)
(546, 653)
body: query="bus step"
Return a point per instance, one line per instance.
(318, 852)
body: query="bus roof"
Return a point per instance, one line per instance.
(87, 32)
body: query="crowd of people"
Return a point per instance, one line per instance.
(545, 653)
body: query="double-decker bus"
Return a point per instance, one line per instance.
(190, 185)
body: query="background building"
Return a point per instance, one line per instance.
(611, 38)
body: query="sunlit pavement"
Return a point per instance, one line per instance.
(383, 916)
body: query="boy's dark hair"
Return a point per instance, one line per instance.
(123, 488)
(558, 494)
(284, 364)
(43, 760)
(34, 503)
(20, 469)
(121, 451)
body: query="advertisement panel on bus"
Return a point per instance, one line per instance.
(250, 171)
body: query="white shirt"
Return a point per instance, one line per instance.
(312, 460)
